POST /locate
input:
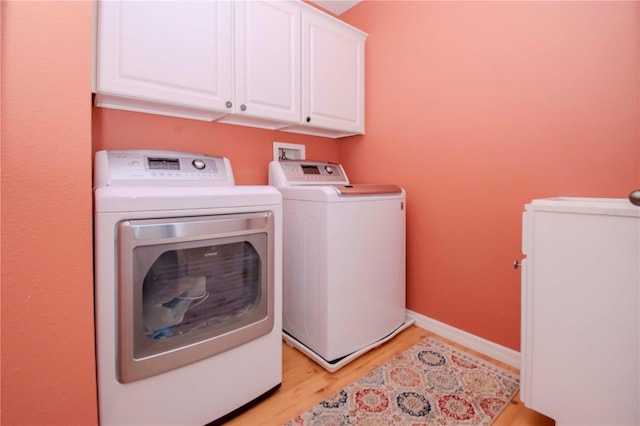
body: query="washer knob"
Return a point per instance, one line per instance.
(199, 164)
(328, 169)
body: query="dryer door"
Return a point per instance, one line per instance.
(191, 288)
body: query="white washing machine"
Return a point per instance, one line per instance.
(188, 288)
(344, 261)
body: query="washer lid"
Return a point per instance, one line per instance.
(330, 194)
(366, 189)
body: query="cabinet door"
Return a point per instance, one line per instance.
(332, 74)
(581, 334)
(267, 58)
(167, 57)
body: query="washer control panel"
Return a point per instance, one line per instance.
(306, 172)
(132, 167)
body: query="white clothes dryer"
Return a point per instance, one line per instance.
(344, 261)
(188, 288)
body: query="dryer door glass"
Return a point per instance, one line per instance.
(214, 287)
(191, 289)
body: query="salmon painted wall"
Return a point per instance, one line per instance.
(474, 107)
(248, 149)
(478, 107)
(48, 361)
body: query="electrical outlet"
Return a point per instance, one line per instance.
(288, 151)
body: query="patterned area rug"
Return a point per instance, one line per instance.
(431, 383)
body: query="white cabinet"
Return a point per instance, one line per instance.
(267, 64)
(270, 64)
(165, 57)
(332, 76)
(581, 310)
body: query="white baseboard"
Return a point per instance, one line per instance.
(486, 347)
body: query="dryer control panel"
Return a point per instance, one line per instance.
(154, 167)
(306, 172)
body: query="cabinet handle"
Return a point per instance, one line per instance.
(228, 104)
(634, 197)
(308, 119)
(243, 107)
(517, 264)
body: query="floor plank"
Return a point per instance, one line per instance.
(305, 383)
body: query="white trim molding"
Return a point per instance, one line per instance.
(485, 347)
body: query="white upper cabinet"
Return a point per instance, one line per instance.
(332, 77)
(165, 57)
(270, 64)
(267, 64)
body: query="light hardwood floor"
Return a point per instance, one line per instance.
(304, 384)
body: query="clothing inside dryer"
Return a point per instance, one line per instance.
(187, 289)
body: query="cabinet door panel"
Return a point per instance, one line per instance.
(268, 60)
(581, 300)
(333, 64)
(175, 53)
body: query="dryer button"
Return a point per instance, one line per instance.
(328, 169)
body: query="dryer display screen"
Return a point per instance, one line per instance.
(310, 170)
(163, 163)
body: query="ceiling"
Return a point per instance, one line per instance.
(336, 6)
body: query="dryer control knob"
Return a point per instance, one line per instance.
(199, 164)
(328, 169)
